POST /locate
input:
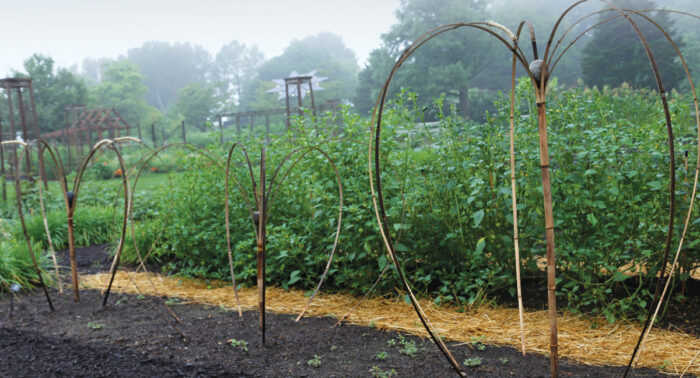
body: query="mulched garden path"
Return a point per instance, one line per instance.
(127, 338)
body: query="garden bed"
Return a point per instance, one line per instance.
(132, 336)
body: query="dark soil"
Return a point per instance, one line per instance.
(134, 336)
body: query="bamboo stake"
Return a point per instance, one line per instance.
(516, 243)
(18, 197)
(48, 238)
(262, 219)
(549, 224)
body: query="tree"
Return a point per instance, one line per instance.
(235, 66)
(448, 63)
(53, 90)
(197, 103)
(615, 54)
(167, 68)
(326, 53)
(122, 88)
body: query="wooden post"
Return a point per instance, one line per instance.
(184, 135)
(238, 125)
(250, 120)
(162, 135)
(267, 127)
(37, 132)
(153, 133)
(25, 134)
(286, 92)
(11, 113)
(138, 127)
(2, 166)
(221, 130)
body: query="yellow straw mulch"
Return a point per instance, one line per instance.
(604, 345)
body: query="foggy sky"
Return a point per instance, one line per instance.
(71, 30)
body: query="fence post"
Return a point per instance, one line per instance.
(153, 133)
(184, 135)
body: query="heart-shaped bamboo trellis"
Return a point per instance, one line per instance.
(259, 211)
(538, 71)
(71, 200)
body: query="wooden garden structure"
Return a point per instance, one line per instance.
(18, 121)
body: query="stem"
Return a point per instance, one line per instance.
(73, 265)
(516, 242)
(549, 231)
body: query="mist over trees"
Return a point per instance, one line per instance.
(172, 82)
(615, 56)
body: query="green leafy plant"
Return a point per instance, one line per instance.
(240, 344)
(409, 347)
(95, 326)
(377, 372)
(473, 361)
(381, 356)
(315, 362)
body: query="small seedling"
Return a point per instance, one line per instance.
(409, 347)
(473, 361)
(172, 301)
(381, 356)
(372, 324)
(377, 372)
(315, 362)
(240, 344)
(504, 360)
(140, 297)
(365, 334)
(95, 326)
(476, 343)
(391, 343)
(121, 300)
(333, 348)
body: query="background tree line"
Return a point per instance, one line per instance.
(171, 82)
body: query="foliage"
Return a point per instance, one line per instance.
(16, 264)
(53, 90)
(167, 68)
(473, 361)
(326, 53)
(197, 104)
(236, 65)
(615, 54)
(315, 362)
(452, 224)
(123, 89)
(92, 226)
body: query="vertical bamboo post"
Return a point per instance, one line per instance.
(540, 88)
(71, 247)
(262, 215)
(18, 197)
(184, 135)
(138, 127)
(267, 127)
(516, 243)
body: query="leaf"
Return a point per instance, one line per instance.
(294, 277)
(591, 218)
(382, 261)
(400, 247)
(480, 245)
(478, 217)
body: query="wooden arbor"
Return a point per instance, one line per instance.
(85, 126)
(16, 92)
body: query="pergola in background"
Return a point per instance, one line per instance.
(21, 115)
(83, 125)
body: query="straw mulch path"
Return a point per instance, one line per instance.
(605, 345)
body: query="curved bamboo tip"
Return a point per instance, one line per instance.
(15, 142)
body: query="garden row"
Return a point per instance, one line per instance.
(448, 197)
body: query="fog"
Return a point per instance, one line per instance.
(72, 30)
